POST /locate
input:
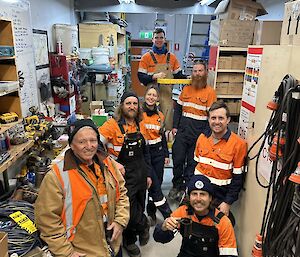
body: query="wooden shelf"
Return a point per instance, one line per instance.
(7, 58)
(232, 49)
(232, 71)
(230, 96)
(5, 127)
(6, 92)
(16, 152)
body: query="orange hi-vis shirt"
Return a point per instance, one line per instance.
(227, 241)
(98, 181)
(147, 64)
(112, 137)
(196, 102)
(151, 126)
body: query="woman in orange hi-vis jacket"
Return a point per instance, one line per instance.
(153, 131)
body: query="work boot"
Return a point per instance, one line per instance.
(173, 193)
(144, 236)
(133, 250)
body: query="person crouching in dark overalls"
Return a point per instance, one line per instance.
(206, 232)
(121, 135)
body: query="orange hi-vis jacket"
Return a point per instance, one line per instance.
(147, 64)
(227, 241)
(77, 192)
(222, 163)
(196, 102)
(151, 127)
(112, 137)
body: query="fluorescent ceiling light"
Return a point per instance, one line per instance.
(205, 2)
(126, 1)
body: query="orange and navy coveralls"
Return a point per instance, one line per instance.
(190, 119)
(147, 66)
(222, 163)
(202, 236)
(126, 144)
(153, 131)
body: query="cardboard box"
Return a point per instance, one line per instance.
(239, 10)
(224, 62)
(3, 245)
(222, 77)
(290, 28)
(232, 106)
(96, 105)
(267, 32)
(231, 33)
(236, 77)
(222, 88)
(238, 62)
(235, 88)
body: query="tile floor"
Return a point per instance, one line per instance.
(154, 249)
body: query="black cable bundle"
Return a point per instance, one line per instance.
(19, 240)
(280, 229)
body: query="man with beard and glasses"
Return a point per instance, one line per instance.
(190, 120)
(206, 232)
(125, 143)
(221, 154)
(82, 206)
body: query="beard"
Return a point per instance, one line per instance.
(199, 81)
(132, 114)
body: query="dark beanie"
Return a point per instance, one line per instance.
(128, 94)
(80, 124)
(200, 182)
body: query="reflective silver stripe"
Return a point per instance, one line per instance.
(150, 198)
(113, 156)
(161, 202)
(103, 139)
(152, 126)
(103, 198)
(196, 158)
(214, 163)
(68, 201)
(114, 147)
(228, 251)
(219, 182)
(195, 106)
(194, 116)
(180, 102)
(142, 70)
(238, 170)
(154, 141)
(105, 219)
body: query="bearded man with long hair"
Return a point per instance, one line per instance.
(189, 121)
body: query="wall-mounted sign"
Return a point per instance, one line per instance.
(146, 34)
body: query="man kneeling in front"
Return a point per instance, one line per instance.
(206, 232)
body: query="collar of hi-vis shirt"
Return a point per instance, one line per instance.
(226, 136)
(129, 128)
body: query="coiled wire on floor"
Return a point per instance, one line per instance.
(19, 240)
(280, 227)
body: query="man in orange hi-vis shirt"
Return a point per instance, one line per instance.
(206, 232)
(220, 154)
(190, 120)
(159, 63)
(125, 143)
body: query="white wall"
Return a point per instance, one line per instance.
(48, 12)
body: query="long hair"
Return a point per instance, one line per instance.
(119, 113)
